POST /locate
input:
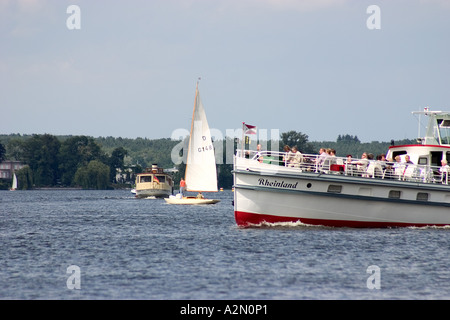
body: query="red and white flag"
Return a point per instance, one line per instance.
(248, 129)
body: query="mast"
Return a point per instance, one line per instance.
(192, 127)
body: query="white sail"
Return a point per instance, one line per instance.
(201, 172)
(14, 182)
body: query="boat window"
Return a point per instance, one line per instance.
(146, 179)
(422, 196)
(395, 194)
(398, 153)
(333, 188)
(423, 160)
(436, 157)
(444, 131)
(445, 124)
(161, 178)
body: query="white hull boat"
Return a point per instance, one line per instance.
(337, 193)
(190, 200)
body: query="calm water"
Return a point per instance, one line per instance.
(129, 248)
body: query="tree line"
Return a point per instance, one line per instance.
(92, 163)
(76, 161)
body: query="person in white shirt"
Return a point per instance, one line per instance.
(444, 171)
(362, 163)
(296, 158)
(287, 155)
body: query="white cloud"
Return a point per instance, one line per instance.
(24, 18)
(23, 7)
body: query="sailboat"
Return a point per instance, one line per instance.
(201, 174)
(14, 183)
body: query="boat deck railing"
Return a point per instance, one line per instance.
(365, 168)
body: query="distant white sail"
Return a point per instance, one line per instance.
(14, 182)
(201, 174)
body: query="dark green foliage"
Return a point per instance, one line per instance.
(94, 175)
(24, 178)
(297, 139)
(77, 152)
(356, 148)
(347, 138)
(142, 151)
(55, 161)
(41, 154)
(2, 152)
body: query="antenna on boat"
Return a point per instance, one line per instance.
(426, 111)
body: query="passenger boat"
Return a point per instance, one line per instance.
(154, 182)
(339, 192)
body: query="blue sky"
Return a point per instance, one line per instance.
(309, 66)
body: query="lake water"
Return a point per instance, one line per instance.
(127, 248)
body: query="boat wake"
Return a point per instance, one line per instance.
(282, 225)
(447, 227)
(300, 225)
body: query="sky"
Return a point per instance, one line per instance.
(129, 68)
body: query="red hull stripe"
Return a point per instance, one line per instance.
(246, 219)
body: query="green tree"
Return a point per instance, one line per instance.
(15, 149)
(41, 154)
(24, 178)
(347, 138)
(2, 152)
(77, 152)
(142, 151)
(94, 175)
(294, 138)
(116, 161)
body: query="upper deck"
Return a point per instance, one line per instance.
(431, 148)
(281, 162)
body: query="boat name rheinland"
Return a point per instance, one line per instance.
(282, 184)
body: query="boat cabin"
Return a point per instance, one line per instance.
(154, 182)
(154, 174)
(420, 154)
(433, 147)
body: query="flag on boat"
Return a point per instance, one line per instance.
(156, 179)
(248, 129)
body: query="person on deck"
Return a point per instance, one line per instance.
(182, 186)
(268, 158)
(408, 160)
(287, 155)
(362, 163)
(296, 158)
(444, 170)
(258, 155)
